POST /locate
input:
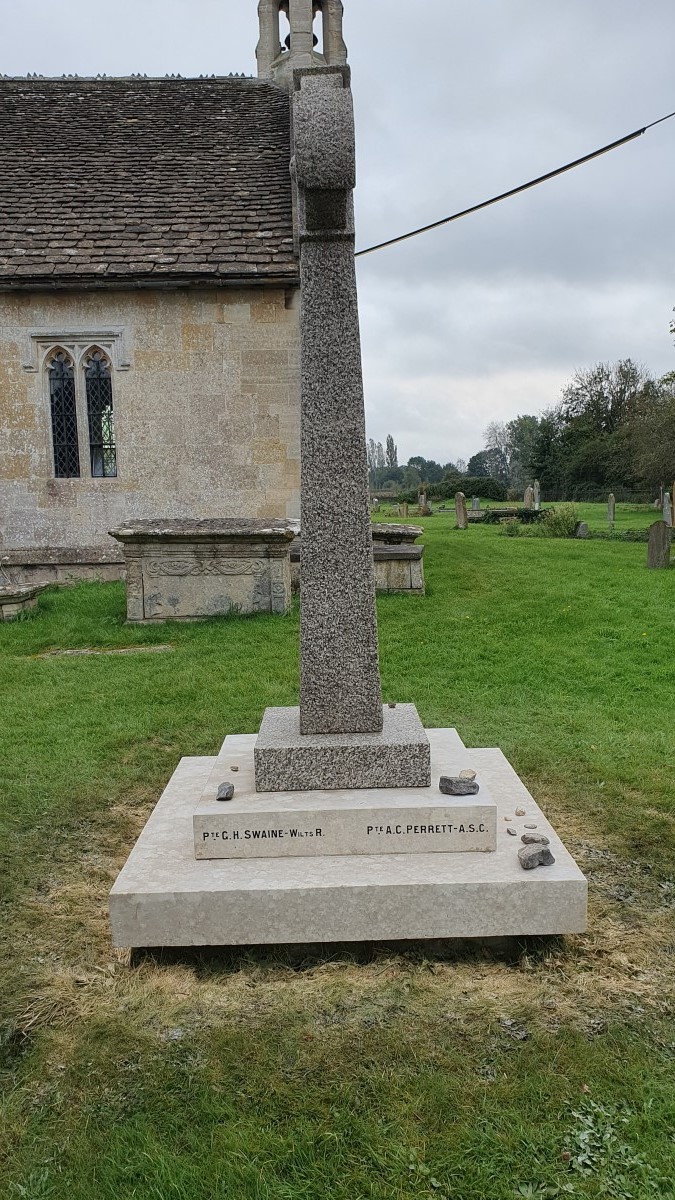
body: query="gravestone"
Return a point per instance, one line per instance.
(528, 499)
(658, 553)
(611, 510)
(668, 510)
(404, 510)
(376, 505)
(475, 504)
(460, 511)
(537, 495)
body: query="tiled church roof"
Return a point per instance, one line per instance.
(110, 181)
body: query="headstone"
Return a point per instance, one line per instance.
(668, 510)
(537, 495)
(581, 530)
(611, 510)
(340, 722)
(658, 553)
(404, 510)
(376, 505)
(475, 504)
(460, 510)
(528, 499)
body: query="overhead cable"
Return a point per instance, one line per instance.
(524, 187)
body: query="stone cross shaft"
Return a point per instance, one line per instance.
(339, 672)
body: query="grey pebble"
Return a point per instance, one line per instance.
(225, 791)
(530, 826)
(451, 785)
(535, 856)
(535, 839)
(513, 832)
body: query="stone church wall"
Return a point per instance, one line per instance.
(206, 399)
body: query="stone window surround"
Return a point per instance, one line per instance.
(39, 347)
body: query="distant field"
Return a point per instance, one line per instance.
(404, 1072)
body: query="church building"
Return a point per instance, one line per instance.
(149, 299)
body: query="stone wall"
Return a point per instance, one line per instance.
(206, 403)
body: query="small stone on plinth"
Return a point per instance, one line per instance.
(458, 786)
(535, 856)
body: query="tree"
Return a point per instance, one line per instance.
(486, 463)
(459, 467)
(521, 437)
(372, 455)
(379, 457)
(391, 452)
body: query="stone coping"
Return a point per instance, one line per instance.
(61, 556)
(15, 593)
(224, 529)
(395, 534)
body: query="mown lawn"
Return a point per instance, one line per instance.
(357, 1073)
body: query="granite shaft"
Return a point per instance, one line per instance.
(339, 673)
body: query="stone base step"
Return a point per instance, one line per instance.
(165, 897)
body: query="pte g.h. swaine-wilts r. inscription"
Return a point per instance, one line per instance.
(340, 736)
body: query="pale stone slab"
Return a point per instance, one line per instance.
(165, 897)
(287, 760)
(357, 821)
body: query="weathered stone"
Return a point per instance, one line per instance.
(225, 792)
(530, 826)
(467, 774)
(581, 529)
(535, 839)
(658, 553)
(528, 499)
(611, 510)
(537, 495)
(451, 785)
(475, 503)
(520, 812)
(530, 857)
(182, 570)
(15, 600)
(513, 832)
(668, 510)
(460, 511)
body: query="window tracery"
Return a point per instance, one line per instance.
(63, 410)
(100, 417)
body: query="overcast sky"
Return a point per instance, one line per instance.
(455, 102)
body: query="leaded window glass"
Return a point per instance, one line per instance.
(98, 381)
(64, 416)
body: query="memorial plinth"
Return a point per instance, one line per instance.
(287, 760)
(164, 896)
(182, 570)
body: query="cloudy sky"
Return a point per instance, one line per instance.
(456, 102)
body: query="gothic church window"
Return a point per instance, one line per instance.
(61, 372)
(100, 418)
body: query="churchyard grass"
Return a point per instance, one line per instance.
(544, 1068)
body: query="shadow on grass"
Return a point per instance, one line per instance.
(306, 956)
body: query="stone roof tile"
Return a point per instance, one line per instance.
(128, 178)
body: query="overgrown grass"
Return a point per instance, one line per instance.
(387, 1072)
